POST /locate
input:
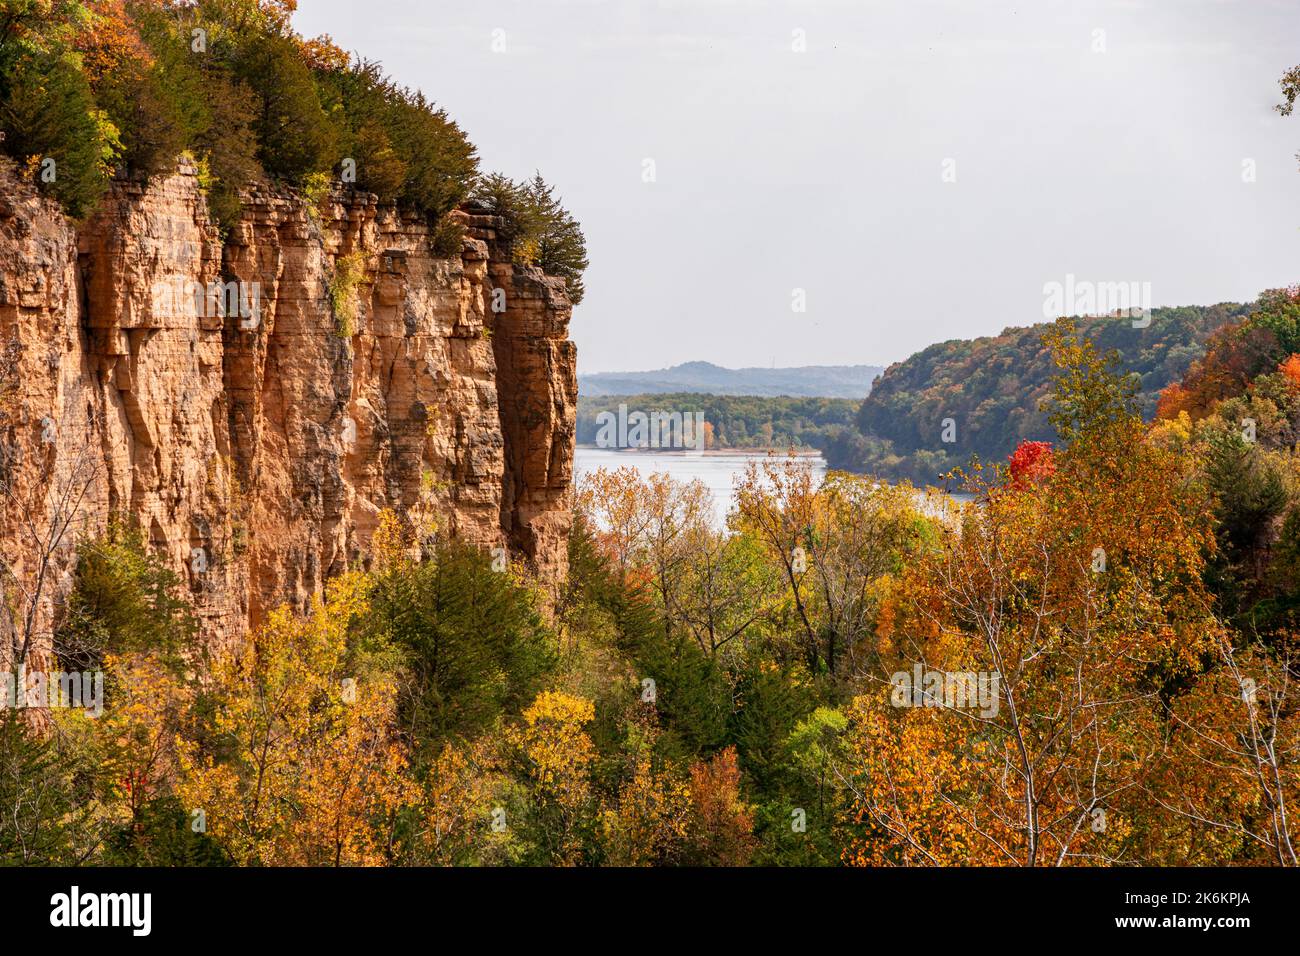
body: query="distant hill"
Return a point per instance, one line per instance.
(992, 388)
(705, 378)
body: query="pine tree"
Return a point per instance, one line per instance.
(561, 247)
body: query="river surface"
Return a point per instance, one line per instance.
(718, 472)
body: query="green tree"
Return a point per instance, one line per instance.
(474, 642)
(561, 249)
(51, 122)
(44, 812)
(537, 229)
(295, 137)
(162, 834)
(440, 161)
(404, 148)
(1250, 496)
(124, 599)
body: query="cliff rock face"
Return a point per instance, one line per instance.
(253, 406)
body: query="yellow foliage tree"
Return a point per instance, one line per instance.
(137, 733)
(648, 823)
(554, 754)
(458, 802)
(302, 767)
(1228, 780)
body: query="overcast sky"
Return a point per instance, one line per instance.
(1110, 140)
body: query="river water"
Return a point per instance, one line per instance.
(718, 472)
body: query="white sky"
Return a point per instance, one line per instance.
(821, 170)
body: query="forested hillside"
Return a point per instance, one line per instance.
(992, 390)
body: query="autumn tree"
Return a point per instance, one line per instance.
(831, 544)
(136, 737)
(552, 755)
(455, 813)
(299, 764)
(647, 823)
(658, 532)
(720, 826)
(1228, 778)
(1031, 462)
(1078, 602)
(728, 590)
(776, 502)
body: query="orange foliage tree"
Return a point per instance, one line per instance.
(1229, 776)
(1076, 603)
(721, 824)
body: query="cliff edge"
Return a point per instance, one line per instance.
(254, 404)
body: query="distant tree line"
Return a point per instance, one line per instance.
(734, 421)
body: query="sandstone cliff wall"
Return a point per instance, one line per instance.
(256, 451)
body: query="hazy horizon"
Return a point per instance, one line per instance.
(1124, 159)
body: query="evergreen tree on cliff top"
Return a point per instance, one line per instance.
(538, 229)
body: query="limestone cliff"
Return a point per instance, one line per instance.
(256, 448)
